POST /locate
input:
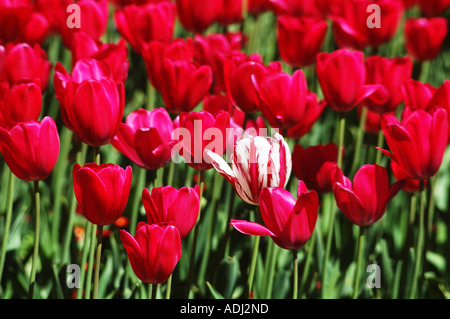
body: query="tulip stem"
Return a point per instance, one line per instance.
(168, 287)
(9, 203)
(97, 155)
(194, 243)
(97, 260)
(339, 163)
(419, 243)
(358, 261)
(37, 201)
(251, 272)
(380, 144)
(359, 140)
(295, 274)
(84, 258)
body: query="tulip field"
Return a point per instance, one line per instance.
(224, 149)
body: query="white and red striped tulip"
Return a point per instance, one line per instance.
(256, 162)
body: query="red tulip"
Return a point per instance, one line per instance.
(155, 53)
(102, 191)
(300, 39)
(256, 162)
(441, 98)
(230, 12)
(153, 252)
(92, 103)
(256, 7)
(433, 7)
(24, 63)
(143, 24)
(417, 143)
(417, 95)
(169, 205)
(31, 149)
(20, 103)
(424, 37)
(146, 138)
(198, 15)
(309, 115)
(315, 165)
(200, 131)
(392, 73)
(283, 98)
(115, 55)
(364, 200)
(288, 222)
(240, 72)
(342, 77)
(295, 8)
(351, 29)
(411, 185)
(184, 85)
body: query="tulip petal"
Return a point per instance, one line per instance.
(250, 228)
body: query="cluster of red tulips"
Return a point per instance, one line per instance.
(217, 105)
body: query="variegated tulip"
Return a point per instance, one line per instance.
(256, 162)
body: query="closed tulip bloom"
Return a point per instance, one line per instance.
(411, 185)
(24, 63)
(240, 72)
(342, 77)
(146, 23)
(351, 29)
(31, 149)
(433, 7)
(184, 84)
(102, 191)
(169, 205)
(201, 131)
(441, 99)
(289, 222)
(300, 39)
(392, 73)
(424, 37)
(92, 102)
(417, 95)
(309, 115)
(197, 15)
(364, 200)
(417, 143)
(146, 138)
(20, 103)
(294, 8)
(256, 162)
(283, 98)
(153, 252)
(315, 166)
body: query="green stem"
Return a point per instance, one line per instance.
(359, 140)
(339, 162)
(37, 201)
(194, 244)
(309, 256)
(419, 244)
(359, 261)
(84, 257)
(140, 184)
(154, 290)
(295, 275)
(271, 274)
(168, 287)
(251, 272)
(97, 260)
(90, 261)
(380, 144)
(9, 201)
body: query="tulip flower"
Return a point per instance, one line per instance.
(146, 23)
(417, 95)
(392, 73)
(315, 166)
(300, 39)
(31, 149)
(342, 77)
(351, 29)
(92, 102)
(256, 162)
(441, 98)
(20, 103)
(288, 222)
(256, 7)
(411, 185)
(417, 143)
(153, 252)
(230, 12)
(102, 191)
(184, 85)
(240, 72)
(294, 8)
(434, 7)
(364, 200)
(309, 115)
(146, 138)
(169, 205)
(24, 63)
(198, 132)
(197, 16)
(424, 37)
(282, 98)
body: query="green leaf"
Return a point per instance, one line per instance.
(214, 292)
